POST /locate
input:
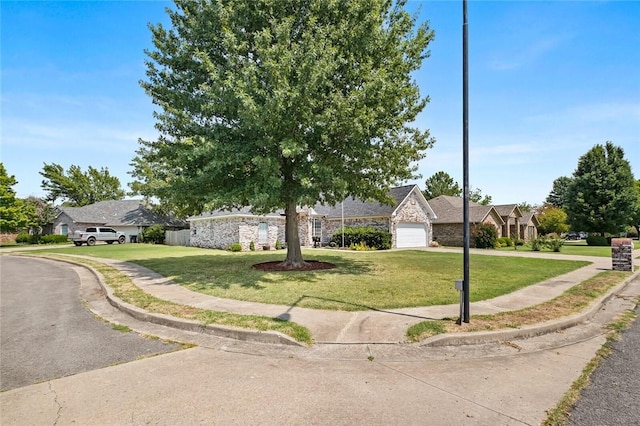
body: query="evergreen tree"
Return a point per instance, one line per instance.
(601, 197)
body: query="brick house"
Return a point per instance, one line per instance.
(448, 227)
(408, 220)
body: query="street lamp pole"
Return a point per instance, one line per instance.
(465, 158)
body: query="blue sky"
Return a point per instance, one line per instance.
(547, 82)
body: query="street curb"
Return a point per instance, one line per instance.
(476, 337)
(268, 337)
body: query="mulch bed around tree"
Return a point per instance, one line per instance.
(309, 265)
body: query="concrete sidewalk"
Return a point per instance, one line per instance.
(373, 326)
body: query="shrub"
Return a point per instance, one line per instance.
(505, 242)
(54, 239)
(485, 236)
(361, 246)
(597, 240)
(537, 243)
(372, 238)
(235, 247)
(278, 245)
(252, 246)
(555, 243)
(154, 234)
(23, 238)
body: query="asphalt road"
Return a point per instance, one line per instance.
(48, 333)
(613, 396)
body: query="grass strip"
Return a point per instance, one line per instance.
(559, 415)
(570, 302)
(124, 289)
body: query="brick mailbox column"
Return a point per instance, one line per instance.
(622, 254)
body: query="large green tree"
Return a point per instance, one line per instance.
(601, 197)
(13, 215)
(558, 193)
(552, 220)
(77, 188)
(441, 183)
(276, 104)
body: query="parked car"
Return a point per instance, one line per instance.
(572, 236)
(93, 234)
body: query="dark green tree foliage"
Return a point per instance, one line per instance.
(441, 183)
(41, 213)
(276, 104)
(476, 196)
(77, 188)
(13, 215)
(601, 197)
(558, 194)
(635, 219)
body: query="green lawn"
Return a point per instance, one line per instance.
(362, 280)
(579, 248)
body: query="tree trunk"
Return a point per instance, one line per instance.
(294, 253)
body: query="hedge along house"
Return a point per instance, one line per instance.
(129, 216)
(448, 229)
(408, 220)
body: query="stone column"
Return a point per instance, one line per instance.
(622, 254)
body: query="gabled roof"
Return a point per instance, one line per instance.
(119, 213)
(450, 209)
(243, 212)
(505, 210)
(529, 217)
(355, 207)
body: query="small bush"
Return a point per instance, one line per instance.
(54, 239)
(555, 244)
(505, 242)
(23, 238)
(485, 236)
(537, 243)
(361, 246)
(372, 238)
(235, 247)
(597, 240)
(153, 234)
(252, 246)
(278, 245)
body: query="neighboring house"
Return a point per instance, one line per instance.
(448, 229)
(511, 215)
(529, 226)
(408, 220)
(128, 216)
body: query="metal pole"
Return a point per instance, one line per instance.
(465, 155)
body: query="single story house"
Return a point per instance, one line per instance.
(128, 216)
(408, 220)
(448, 227)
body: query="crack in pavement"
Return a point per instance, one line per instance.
(55, 399)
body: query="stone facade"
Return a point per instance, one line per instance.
(622, 254)
(220, 233)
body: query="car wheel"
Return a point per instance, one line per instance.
(77, 243)
(121, 239)
(91, 242)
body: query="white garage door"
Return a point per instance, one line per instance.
(411, 235)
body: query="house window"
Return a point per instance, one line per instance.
(316, 232)
(64, 229)
(263, 237)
